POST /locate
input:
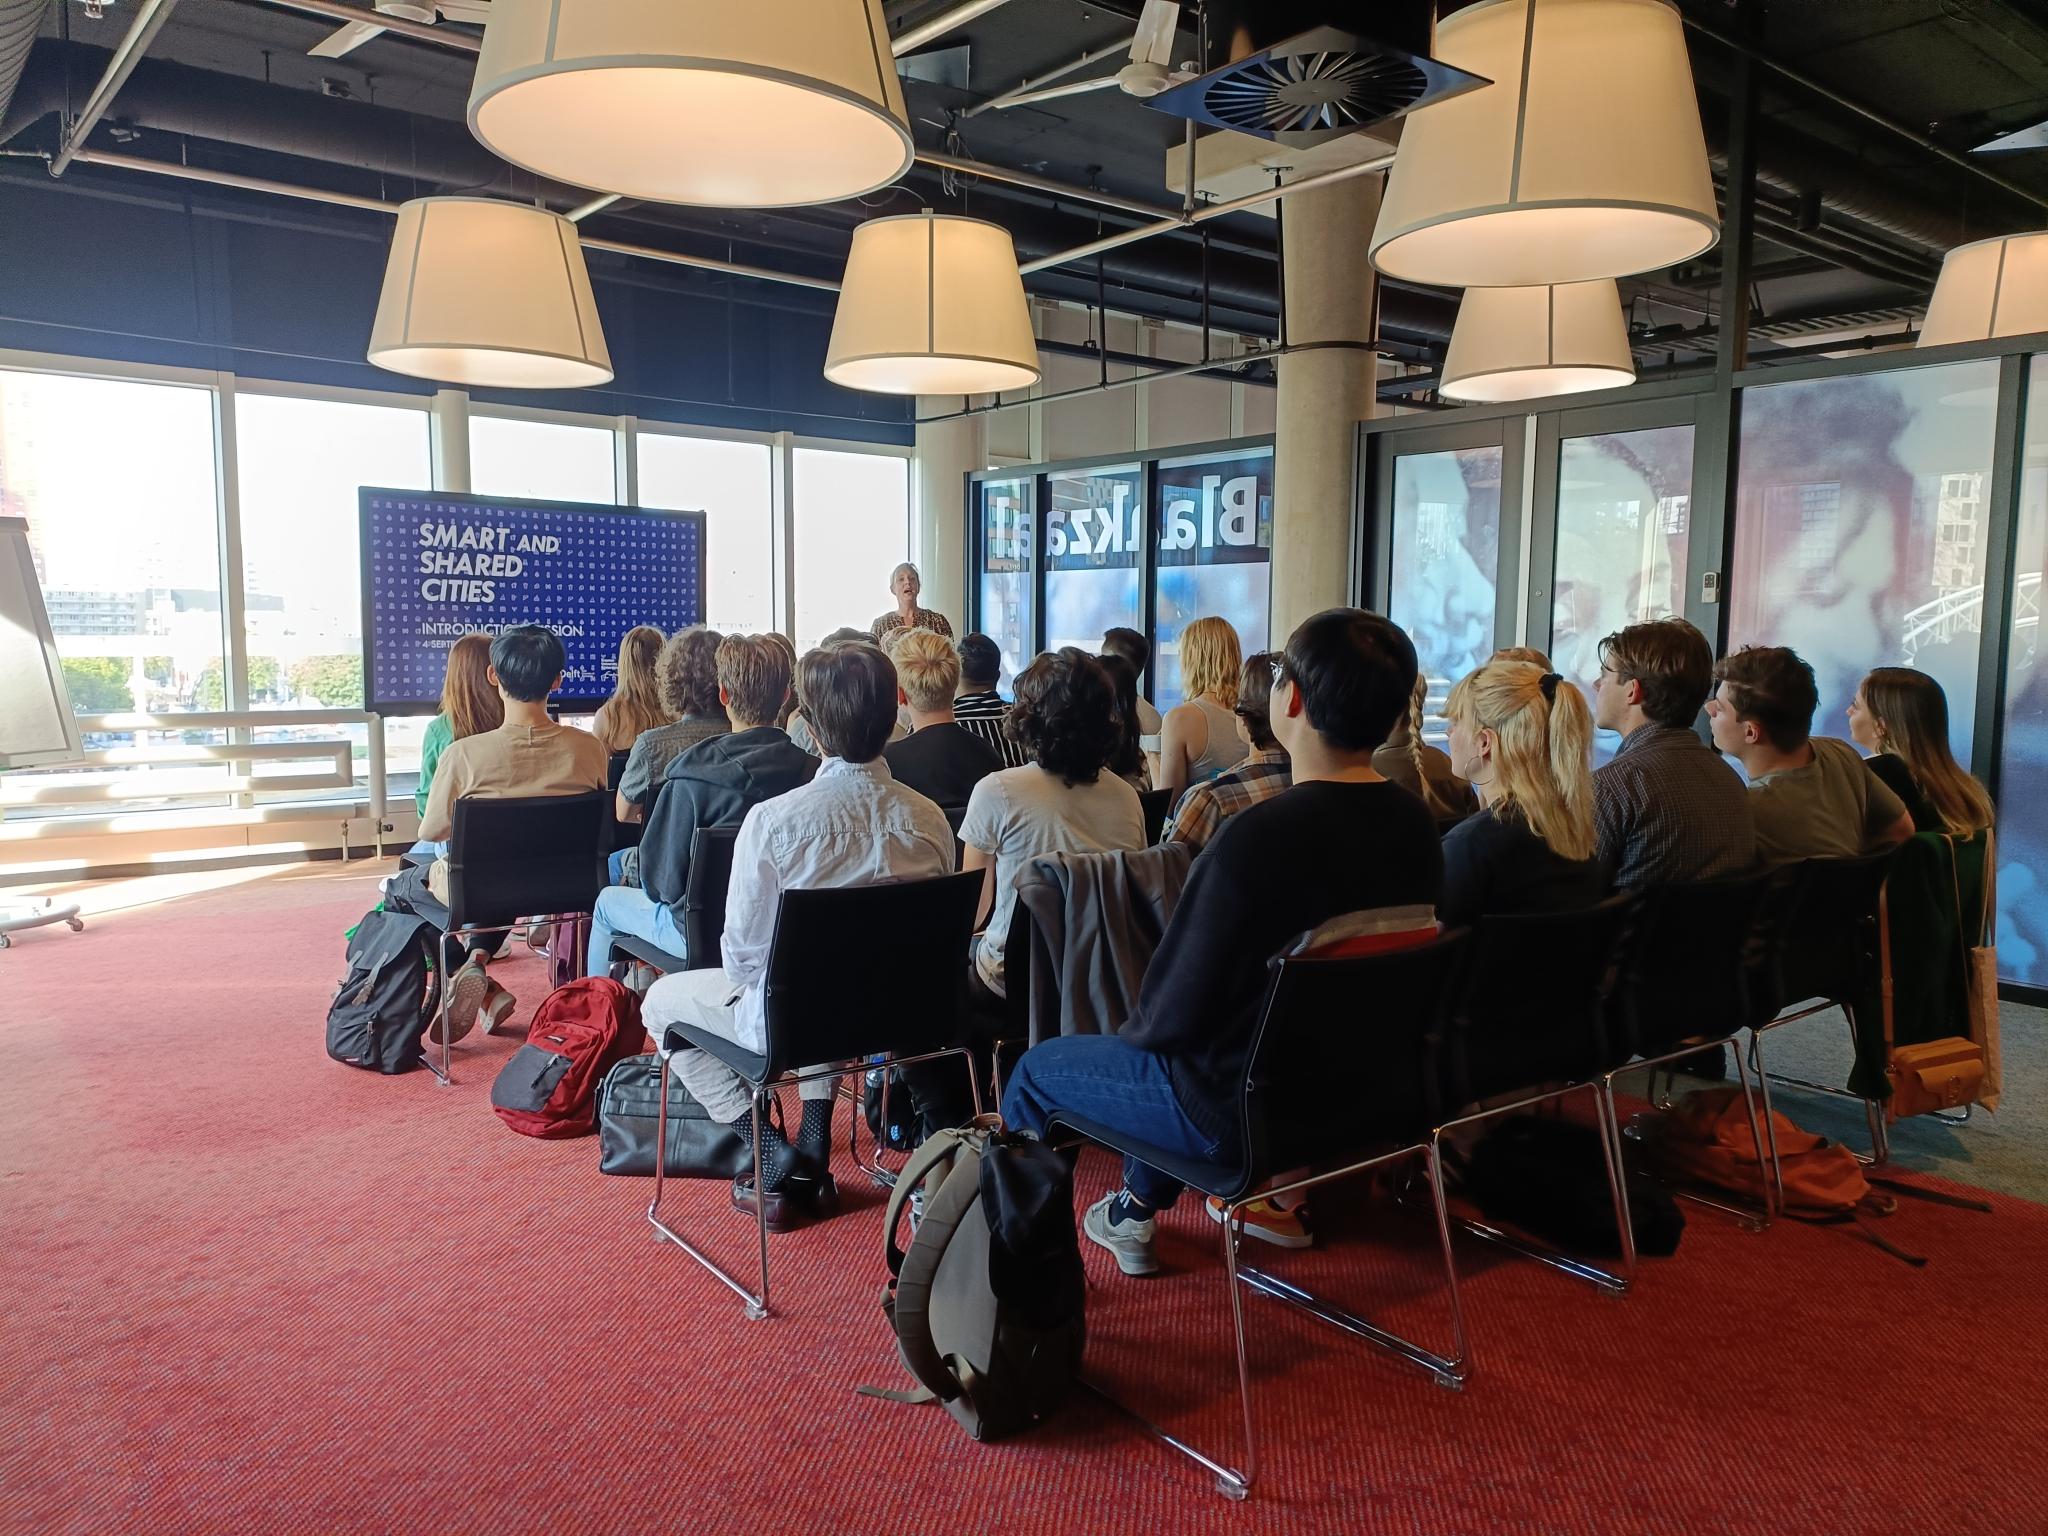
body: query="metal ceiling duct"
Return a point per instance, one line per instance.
(20, 21)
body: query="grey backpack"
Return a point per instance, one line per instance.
(988, 1302)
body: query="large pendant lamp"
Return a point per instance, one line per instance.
(721, 103)
(1583, 159)
(932, 304)
(479, 292)
(1528, 343)
(1989, 289)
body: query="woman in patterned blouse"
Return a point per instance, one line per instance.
(904, 582)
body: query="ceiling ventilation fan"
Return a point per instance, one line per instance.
(357, 33)
(1152, 68)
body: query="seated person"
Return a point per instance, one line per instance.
(686, 670)
(851, 825)
(940, 759)
(1341, 840)
(1262, 775)
(1063, 802)
(469, 705)
(528, 755)
(1423, 770)
(978, 707)
(1523, 737)
(712, 784)
(1127, 760)
(1901, 716)
(1137, 650)
(1668, 810)
(636, 704)
(1812, 796)
(1198, 739)
(799, 728)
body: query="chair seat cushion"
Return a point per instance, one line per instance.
(646, 953)
(750, 1066)
(1209, 1178)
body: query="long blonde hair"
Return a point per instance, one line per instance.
(1210, 660)
(1543, 742)
(635, 704)
(469, 701)
(1912, 717)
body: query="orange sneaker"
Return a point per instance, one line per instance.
(1282, 1226)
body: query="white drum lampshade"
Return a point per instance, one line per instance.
(1584, 158)
(1526, 343)
(720, 103)
(932, 304)
(491, 294)
(1988, 289)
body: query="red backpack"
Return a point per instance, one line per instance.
(582, 1031)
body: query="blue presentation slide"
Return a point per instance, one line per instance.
(438, 566)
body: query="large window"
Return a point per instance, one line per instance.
(1094, 556)
(1214, 529)
(1861, 519)
(732, 483)
(852, 513)
(1446, 553)
(1007, 601)
(1624, 513)
(542, 460)
(2023, 776)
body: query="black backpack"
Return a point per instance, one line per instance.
(389, 996)
(899, 1133)
(989, 1301)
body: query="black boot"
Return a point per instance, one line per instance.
(779, 1164)
(811, 1180)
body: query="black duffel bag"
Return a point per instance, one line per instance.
(697, 1146)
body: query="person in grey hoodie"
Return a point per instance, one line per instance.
(712, 784)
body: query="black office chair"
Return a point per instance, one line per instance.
(618, 834)
(1823, 949)
(536, 859)
(1340, 1080)
(1528, 1026)
(1158, 805)
(1688, 983)
(955, 815)
(703, 914)
(852, 974)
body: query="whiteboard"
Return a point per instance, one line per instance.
(37, 728)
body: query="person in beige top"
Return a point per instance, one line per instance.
(528, 755)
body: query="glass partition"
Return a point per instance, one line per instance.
(1007, 596)
(1861, 516)
(2023, 775)
(1624, 515)
(1446, 553)
(1214, 533)
(1094, 556)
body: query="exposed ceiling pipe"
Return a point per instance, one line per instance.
(149, 21)
(419, 31)
(1043, 184)
(916, 37)
(20, 21)
(1037, 83)
(1183, 370)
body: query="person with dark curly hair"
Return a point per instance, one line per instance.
(687, 673)
(1062, 801)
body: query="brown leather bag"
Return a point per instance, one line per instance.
(1935, 1074)
(1955, 1070)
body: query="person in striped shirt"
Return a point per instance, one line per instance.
(978, 707)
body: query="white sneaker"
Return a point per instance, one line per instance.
(1130, 1241)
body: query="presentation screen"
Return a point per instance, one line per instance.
(437, 566)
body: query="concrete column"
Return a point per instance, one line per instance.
(1323, 397)
(947, 452)
(448, 436)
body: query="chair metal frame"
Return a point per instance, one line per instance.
(444, 1070)
(1449, 1371)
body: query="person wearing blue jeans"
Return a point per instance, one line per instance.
(712, 784)
(1341, 840)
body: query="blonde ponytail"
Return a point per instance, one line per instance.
(1543, 739)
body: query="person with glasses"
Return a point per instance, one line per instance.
(1264, 773)
(1667, 808)
(1341, 840)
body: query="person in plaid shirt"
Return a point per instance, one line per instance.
(1261, 776)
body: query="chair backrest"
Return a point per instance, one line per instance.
(1158, 803)
(955, 815)
(1531, 1003)
(859, 970)
(619, 834)
(1342, 1057)
(704, 893)
(1825, 944)
(1691, 965)
(526, 857)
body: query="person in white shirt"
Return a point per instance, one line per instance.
(852, 825)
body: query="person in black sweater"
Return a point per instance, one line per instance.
(1523, 738)
(1342, 840)
(940, 758)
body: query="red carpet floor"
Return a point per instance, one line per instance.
(248, 1290)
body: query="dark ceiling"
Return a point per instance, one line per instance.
(1852, 216)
